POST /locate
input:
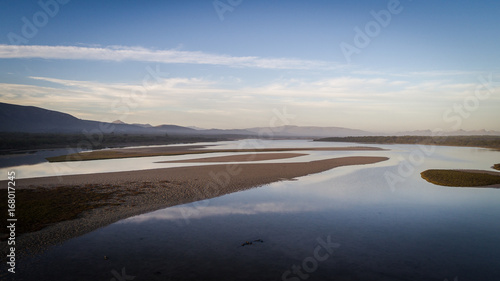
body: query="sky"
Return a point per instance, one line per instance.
(383, 65)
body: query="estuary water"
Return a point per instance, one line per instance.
(367, 222)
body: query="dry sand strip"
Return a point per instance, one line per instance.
(240, 158)
(164, 188)
(183, 150)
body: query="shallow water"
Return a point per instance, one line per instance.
(408, 230)
(34, 165)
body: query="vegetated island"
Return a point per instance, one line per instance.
(54, 209)
(496, 166)
(474, 141)
(462, 178)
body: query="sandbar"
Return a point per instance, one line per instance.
(183, 150)
(240, 158)
(163, 188)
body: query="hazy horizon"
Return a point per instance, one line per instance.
(378, 66)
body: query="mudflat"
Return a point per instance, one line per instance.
(160, 188)
(183, 150)
(239, 158)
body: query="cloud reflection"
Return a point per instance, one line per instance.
(203, 211)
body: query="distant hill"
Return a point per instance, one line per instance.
(482, 132)
(310, 131)
(135, 124)
(242, 132)
(473, 141)
(174, 129)
(196, 128)
(17, 118)
(31, 119)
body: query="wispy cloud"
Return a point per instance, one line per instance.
(124, 53)
(344, 101)
(416, 74)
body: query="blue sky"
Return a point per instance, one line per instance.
(373, 65)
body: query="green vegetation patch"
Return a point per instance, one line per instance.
(41, 207)
(496, 166)
(459, 178)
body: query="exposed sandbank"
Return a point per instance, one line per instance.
(240, 158)
(163, 188)
(182, 150)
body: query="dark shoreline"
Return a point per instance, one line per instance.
(20, 143)
(491, 142)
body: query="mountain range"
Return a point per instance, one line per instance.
(30, 119)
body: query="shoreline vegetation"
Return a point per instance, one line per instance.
(492, 142)
(462, 178)
(181, 150)
(11, 143)
(55, 209)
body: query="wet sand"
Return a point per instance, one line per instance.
(184, 150)
(164, 188)
(240, 158)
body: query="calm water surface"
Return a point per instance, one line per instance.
(348, 223)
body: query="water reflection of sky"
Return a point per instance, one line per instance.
(26, 168)
(414, 231)
(337, 187)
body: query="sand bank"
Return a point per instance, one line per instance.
(163, 188)
(240, 158)
(183, 150)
